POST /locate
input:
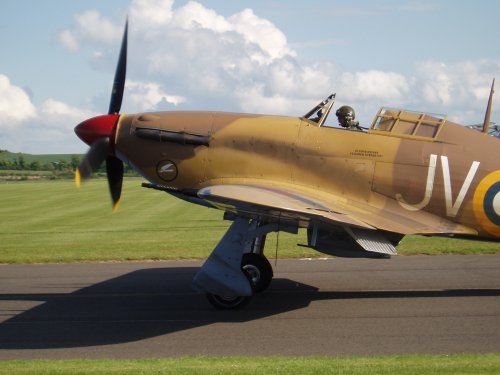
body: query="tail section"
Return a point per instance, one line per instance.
(486, 123)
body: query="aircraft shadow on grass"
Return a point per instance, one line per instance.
(154, 302)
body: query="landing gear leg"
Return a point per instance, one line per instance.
(237, 267)
(221, 273)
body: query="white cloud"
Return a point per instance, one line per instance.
(194, 15)
(90, 27)
(438, 86)
(47, 128)
(254, 99)
(263, 33)
(375, 85)
(151, 13)
(148, 96)
(67, 40)
(460, 90)
(204, 60)
(198, 54)
(15, 105)
(94, 27)
(159, 23)
(61, 116)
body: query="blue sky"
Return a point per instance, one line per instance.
(282, 57)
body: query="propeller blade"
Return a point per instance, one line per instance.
(114, 170)
(115, 102)
(99, 131)
(92, 160)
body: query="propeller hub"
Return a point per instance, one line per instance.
(97, 127)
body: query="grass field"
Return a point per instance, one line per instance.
(402, 365)
(52, 221)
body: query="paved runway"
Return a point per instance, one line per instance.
(442, 304)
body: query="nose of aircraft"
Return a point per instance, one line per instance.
(97, 127)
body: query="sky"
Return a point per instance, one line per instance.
(58, 59)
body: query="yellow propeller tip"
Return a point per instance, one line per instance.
(116, 206)
(78, 178)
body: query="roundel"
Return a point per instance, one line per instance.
(487, 203)
(167, 170)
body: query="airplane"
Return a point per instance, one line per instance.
(357, 192)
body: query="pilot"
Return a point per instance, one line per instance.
(346, 116)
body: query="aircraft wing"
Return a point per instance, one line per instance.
(274, 201)
(301, 204)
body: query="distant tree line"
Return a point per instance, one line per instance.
(60, 167)
(19, 163)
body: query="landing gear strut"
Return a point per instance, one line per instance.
(237, 268)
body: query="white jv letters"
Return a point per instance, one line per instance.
(452, 208)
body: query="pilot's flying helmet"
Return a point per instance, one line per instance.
(345, 115)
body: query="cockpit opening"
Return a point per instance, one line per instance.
(345, 115)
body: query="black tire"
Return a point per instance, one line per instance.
(260, 274)
(227, 303)
(258, 270)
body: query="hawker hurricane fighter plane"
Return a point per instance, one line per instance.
(358, 192)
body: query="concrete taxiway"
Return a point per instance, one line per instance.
(403, 305)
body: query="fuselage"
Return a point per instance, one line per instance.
(455, 175)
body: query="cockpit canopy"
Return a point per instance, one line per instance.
(388, 121)
(407, 124)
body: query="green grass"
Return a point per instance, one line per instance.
(52, 221)
(401, 365)
(418, 245)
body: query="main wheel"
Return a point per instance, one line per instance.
(227, 302)
(260, 274)
(258, 270)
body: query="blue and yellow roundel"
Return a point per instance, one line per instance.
(486, 203)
